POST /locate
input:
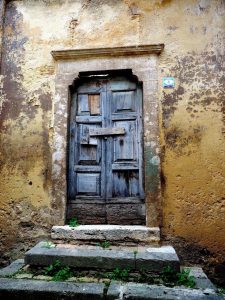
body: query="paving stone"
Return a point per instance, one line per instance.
(132, 291)
(155, 259)
(112, 233)
(25, 289)
(12, 268)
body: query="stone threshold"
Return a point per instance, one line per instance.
(117, 234)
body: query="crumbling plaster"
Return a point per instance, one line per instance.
(191, 114)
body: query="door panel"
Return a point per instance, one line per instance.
(94, 104)
(88, 184)
(105, 157)
(125, 184)
(82, 103)
(123, 102)
(125, 146)
(89, 148)
(88, 104)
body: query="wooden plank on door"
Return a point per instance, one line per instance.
(94, 104)
(107, 131)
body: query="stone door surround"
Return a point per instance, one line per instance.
(143, 61)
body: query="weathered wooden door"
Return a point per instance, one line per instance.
(105, 181)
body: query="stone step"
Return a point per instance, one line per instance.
(39, 288)
(115, 234)
(20, 289)
(148, 258)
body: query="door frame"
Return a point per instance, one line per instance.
(143, 62)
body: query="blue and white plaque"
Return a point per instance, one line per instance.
(168, 82)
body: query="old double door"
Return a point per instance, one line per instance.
(105, 179)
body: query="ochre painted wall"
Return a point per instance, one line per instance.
(191, 114)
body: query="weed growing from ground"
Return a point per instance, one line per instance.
(120, 274)
(53, 268)
(73, 222)
(58, 271)
(184, 278)
(104, 244)
(221, 290)
(169, 276)
(48, 245)
(135, 253)
(63, 274)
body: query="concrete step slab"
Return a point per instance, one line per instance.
(74, 256)
(113, 233)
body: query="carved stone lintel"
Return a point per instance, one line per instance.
(115, 51)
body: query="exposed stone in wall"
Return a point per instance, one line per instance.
(2, 14)
(192, 114)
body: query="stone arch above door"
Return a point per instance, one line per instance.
(143, 62)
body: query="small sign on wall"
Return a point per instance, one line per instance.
(168, 82)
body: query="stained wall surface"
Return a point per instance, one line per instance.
(191, 115)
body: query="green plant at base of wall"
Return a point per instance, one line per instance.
(185, 279)
(169, 276)
(73, 222)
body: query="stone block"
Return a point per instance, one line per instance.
(117, 213)
(114, 291)
(87, 213)
(132, 291)
(12, 268)
(113, 233)
(25, 289)
(201, 279)
(155, 259)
